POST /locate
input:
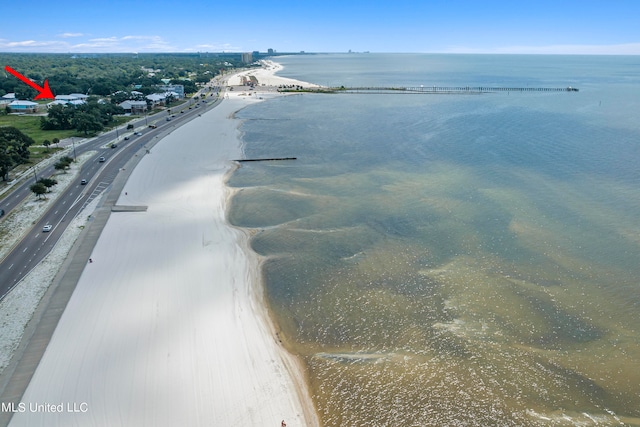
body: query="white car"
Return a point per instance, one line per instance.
(47, 228)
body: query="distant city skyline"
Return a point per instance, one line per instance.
(436, 26)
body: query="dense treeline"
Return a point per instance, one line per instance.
(14, 149)
(88, 118)
(104, 74)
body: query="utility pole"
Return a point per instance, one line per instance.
(74, 148)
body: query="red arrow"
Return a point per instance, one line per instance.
(43, 92)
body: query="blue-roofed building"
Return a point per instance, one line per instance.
(23, 106)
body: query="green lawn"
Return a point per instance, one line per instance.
(40, 153)
(30, 125)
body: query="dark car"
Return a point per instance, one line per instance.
(1, 212)
(83, 182)
(115, 145)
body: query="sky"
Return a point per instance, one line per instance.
(421, 26)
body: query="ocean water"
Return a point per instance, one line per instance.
(440, 260)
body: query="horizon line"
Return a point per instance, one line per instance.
(302, 52)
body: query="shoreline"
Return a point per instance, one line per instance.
(266, 76)
(122, 301)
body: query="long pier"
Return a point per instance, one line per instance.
(456, 90)
(450, 89)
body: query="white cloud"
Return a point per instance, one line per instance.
(31, 45)
(113, 44)
(69, 35)
(216, 47)
(106, 40)
(126, 44)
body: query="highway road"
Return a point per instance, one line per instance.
(36, 244)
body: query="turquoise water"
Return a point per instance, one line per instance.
(454, 259)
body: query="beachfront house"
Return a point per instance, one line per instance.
(177, 90)
(156, 99)
(75, 102)
(75, 99)
(134, 107)
(162, 98)
(23, 106)
(7, 99)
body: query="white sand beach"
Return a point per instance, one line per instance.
(167, 326)
(266, 75)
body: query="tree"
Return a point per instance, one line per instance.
(58, 118)
(63, 164)
(90, 117)
(106, 111)
(5, 164)
(14, 149)
(106, 74)
(203, 78)
(46, 144)
(55, 141)
(87, 122)
(38, 189)
(105, 87)
(48, 183)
